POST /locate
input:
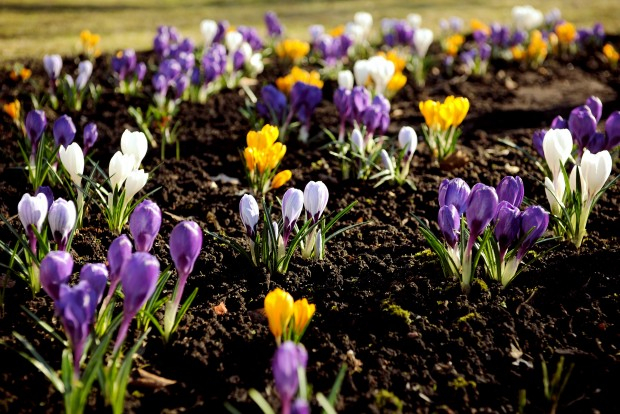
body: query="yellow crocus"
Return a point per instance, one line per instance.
(537, 48)
(446, 113)
(453, 44)
(397, 82)
(281, 178)
(337, 31)
(461, 107)
(566, 32)
(611, 54)
(302, 313)
(264, 138)
(285, 83)
(517, 53)
(279, 311)
(25, 74)
(12, 109)
(429, 109)
(292, 49)
(476, 25)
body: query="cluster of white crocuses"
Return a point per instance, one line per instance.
(278, 240)
(572, 195)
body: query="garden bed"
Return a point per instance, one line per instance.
(411, 340)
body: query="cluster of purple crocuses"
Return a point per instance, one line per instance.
(331, 49)
(582, 124)
(128, 71)
(137, 272)
(515, 231)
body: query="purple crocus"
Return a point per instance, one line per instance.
(534, 220)
(612, 130)
(559, 123)
(250, 35)
(96, 274)
(139, 279)
(35, 125)
(274, 27)
(449, 221)
(48, 193)
(304, 99)
(582, 125)
(596, 107)
(61, 218)
(185, 245)
(507, 226)
(32, 212)
(52, 65)
(77, 311)
(597, 143)
(537, 141)
(119, 252)
(300, 406)
(480, 210)
(287, 360)
(292, 203)
(144, 225)
(90, 136)
(64, 131)
(54, 271)
(249, 213)
(510, 189)
(454, 192)
(360, 100)
(124, 63)
(272, 104)
(214, 62)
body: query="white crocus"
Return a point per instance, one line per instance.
(136, 180)
(355, 32)
(414, 20)
(595, 170)
(357, 142)
(572, 181)
(555, 194)
(361, 69)
(345, 79)
(386, 160)
(408, 141)
(526, 17)
(121, 165)
(246, 51)
(233, 41)
(256, 63)
(364, 20)
(557, 146)
(208, 28)
(72, 159)
(381, 71)
(422, 39)
(32, 210)
(136, 144)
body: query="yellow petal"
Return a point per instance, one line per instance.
(279, 310)
(281, 178)
(302, 313)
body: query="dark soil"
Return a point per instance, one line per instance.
(407, 334)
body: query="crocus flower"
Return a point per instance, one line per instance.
(49, 194)
(208, 28)
(96, 274)
(535, 221)
(302, 314)
(480, 210)
(136, 144)
(422, 39)
(300, 406)
(85, 70)
(596, 107)
(408, 142)
(72, 158)
(344, 104)
(596, 169)
(304, 99)
(292, 203)
(279, 310)
(386, 161)
(35, 125)
(119, 169)
(526, 17)
(139, 280)
(381, 72)
(612, 130)
(582, 125)
(55, 271)
(454, 192)
(288, 358)
(316, 195)
(52, 65)
(537, 141)
(64, 131)
(61, 218)
(136, 180)
(559, 123)
(274, 27)
(357, 142)
(90, 136)
(272, 104)
(144, 225)
(360, 100)
(185, 245)
(510, 189)
(345, 79)
(449, 221)
(119, 252)
(249, 213)
(557, 146)
(32, 212)
(507, 226)
(77, 310)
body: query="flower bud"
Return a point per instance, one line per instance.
(52, 65)
(72, 158)
(121, 165)
(381, 71)
(144, 225)
(61, 219)
(136, 180)
(559, 123)
(274, 27)
(480, 210)
(596, 107)
(96, 274)
(272, 104)
(343, 102)
(357, 142)
(557, 146)
(422, 39)
(35, 125)
(345, 79)
(281, 178)
(139, 279)
(279, 311)
(249, 213)
(286, 361)
(408, 141)
(90, 136)
(508, 225)
(64, 131)
(596, 169)
(537, 141)
(302, 313)
(454, 192)
(292, 203)
(55, 271)
(449, 221)
(360, 100)
(136, 144)
(612, 130)
(361, 70)
(510, 189)
(118, 253)
(535, 221)
(208, 28)
(582, 125)
(185, 245)
(316, 195)
(32, 211)
(47, 192)
(386, 160)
